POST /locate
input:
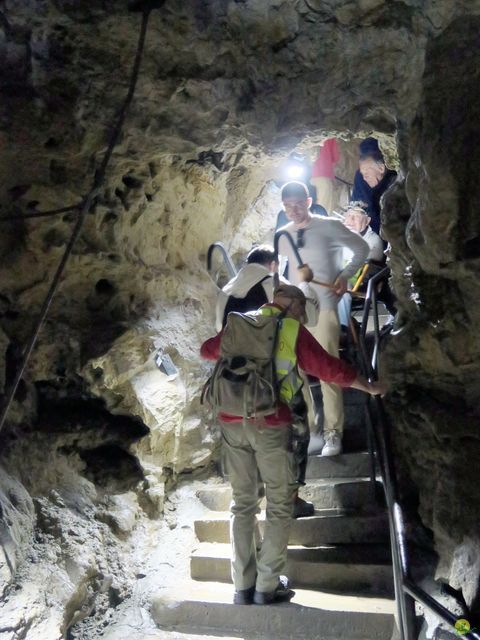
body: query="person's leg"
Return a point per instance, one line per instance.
(344, 309)
(241, 468)
(327, 332)
(279, 473)
(325, 192)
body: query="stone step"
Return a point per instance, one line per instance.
(346, 465)
(358, 494)
(339, 493)
(327, 526)
(359, 569)
(206, 608)
(354, 440)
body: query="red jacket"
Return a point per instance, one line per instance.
(327, 158)
(311, 358)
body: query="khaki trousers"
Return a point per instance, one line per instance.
(249, 450)
(327, 332)
(325, 192)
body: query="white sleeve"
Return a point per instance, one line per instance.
(376, 247)
(220, 309)
(357, 246)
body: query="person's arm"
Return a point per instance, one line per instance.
(222, 299)
(376, 246)
(286, 260)
(315, 361)
(377, 388)
(357, 245)
(210, 349)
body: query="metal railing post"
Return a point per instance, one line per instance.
(232, 271)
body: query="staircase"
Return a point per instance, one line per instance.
(339, 561)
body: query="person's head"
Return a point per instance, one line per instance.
(372, 170)
(371, 163)
(292, 298)
(296, 202)
(263, 254)
(356, 218)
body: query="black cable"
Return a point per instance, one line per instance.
(97, 183)
(349, 184)
(41, 214)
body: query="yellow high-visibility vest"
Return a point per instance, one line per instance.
(285, 355)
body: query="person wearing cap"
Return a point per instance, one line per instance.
(372, 179)
(321, 243)
(357, 220)
(261, 447)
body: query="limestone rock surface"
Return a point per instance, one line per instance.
(97, 434)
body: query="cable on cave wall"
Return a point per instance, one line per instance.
(145, 7)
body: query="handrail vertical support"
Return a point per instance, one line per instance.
(232, 271)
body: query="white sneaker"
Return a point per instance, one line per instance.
(333, 444)
(316, 444)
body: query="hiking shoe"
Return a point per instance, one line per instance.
(282, 593)
(333, 444)
(302, 508)
(244, 596)
(316, 444)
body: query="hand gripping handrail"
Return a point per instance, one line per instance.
(406, 591)
(232, 271)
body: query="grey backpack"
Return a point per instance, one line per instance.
(244, 381)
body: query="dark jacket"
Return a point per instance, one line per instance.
(371, 195)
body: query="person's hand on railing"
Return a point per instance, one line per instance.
(375, 388)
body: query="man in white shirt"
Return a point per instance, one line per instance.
(321, 243)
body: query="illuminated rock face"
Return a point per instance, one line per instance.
(226, 90)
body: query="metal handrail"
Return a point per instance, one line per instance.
(406, 591)
(232, 271)
(276, 242)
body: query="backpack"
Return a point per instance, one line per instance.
(252, 301)
(244, 380)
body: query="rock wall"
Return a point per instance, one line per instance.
(434, 361)
(226, 90)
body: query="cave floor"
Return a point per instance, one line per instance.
(163, 558)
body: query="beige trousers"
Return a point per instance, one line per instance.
(327, 332)
(249, 450)
(325, 192)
